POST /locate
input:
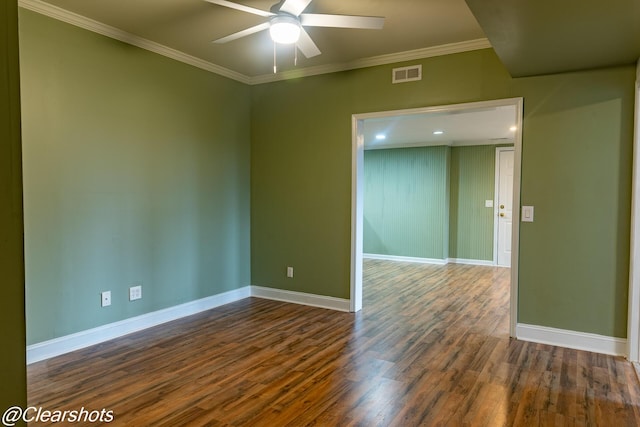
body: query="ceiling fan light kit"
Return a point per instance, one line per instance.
(284, 29)
(286, 24)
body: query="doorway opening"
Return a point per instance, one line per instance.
(365, 136)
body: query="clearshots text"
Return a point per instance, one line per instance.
(39, 415)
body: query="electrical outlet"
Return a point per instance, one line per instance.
(106, 298)
(135, 292)
(290, 272)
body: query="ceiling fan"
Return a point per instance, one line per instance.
(286, 22)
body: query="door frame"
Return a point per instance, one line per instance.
(357, 190)
(495, 200)
(633, 316)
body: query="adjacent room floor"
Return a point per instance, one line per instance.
(430, 347)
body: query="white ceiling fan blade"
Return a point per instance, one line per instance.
(295, 7)
(241, 7)
(342, 21)
(306, 45)
(242, 33)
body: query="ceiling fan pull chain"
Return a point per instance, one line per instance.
(275, 67)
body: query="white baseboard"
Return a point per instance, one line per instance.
(436, 261)
(471, 262)
(313, 300)
(406, 259)
(68, 343)
(572, 339)
(57, 346)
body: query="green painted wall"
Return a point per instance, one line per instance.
(301, 160)
(405, 202)
(470, 222)
(136, 171)
(576, 172)
(13, 377)
(577, 159)
(420, 201)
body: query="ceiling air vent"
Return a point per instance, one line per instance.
(407, 74)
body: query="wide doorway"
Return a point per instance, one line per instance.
(466, 216)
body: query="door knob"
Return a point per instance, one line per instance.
(501, 206)
(501, 213)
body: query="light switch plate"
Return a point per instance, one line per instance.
(488, 203)
(527, 214)
(135, 292)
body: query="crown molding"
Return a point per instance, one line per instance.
(410, 55)
(64, 15)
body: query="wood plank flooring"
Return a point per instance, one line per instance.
(430, 347)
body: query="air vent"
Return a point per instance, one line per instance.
(407, 74)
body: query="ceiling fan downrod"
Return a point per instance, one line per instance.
(275, 62)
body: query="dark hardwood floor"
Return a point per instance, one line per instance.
(430, 347)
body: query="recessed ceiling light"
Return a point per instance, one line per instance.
(438, 132)
(513, 128)
(381, 137)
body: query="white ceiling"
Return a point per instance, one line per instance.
(468, 127)
(189, 26)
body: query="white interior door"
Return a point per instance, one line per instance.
(504, 203)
